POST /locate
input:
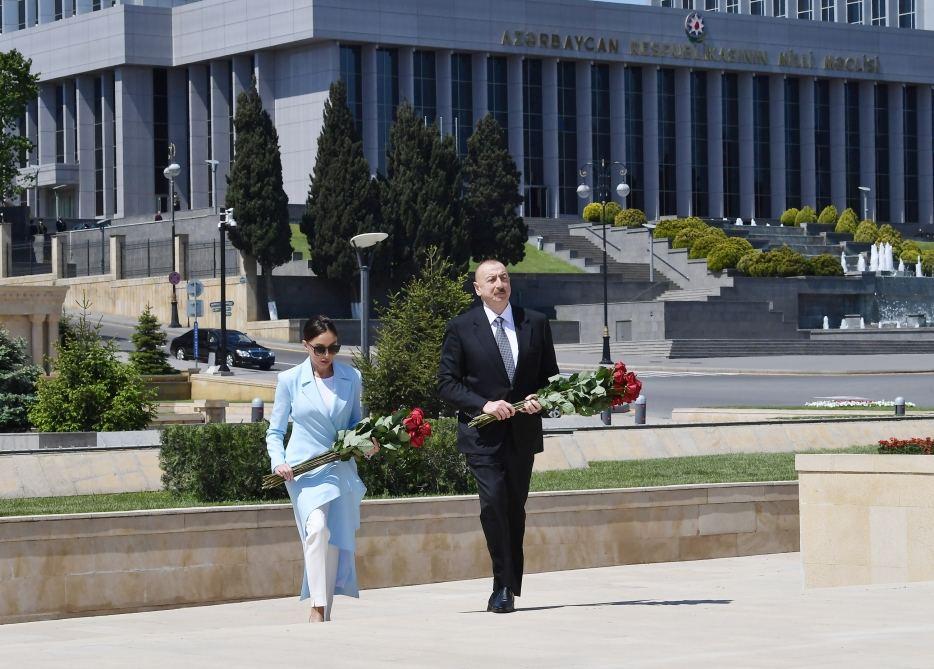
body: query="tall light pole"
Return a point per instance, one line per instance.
(601, 180)
(651, 228)
(170, 173)
(225, 222)
(362, 244)
(864, 191)
(212, 168)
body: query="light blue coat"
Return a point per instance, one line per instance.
(314, 429)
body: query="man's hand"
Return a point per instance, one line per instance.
(531, 404)
(500, 408)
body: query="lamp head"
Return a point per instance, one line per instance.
(583, 191)
(171, 171)
(623, 190)
(367, 239)
(865, 189)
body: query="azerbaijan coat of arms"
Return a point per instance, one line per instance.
(694, 27)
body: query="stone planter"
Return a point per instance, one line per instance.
(866, 518)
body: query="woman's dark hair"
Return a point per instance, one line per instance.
(317, 325)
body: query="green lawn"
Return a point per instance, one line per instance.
(539, 262)
(300, 241)
(739, 467)
(925, 246)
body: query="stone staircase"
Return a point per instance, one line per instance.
(773, 237)
(688, 295)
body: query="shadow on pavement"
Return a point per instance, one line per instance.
(632, 602)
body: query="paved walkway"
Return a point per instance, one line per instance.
(738, 612)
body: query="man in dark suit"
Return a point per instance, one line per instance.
(493, 356)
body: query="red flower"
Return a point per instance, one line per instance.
(417, 427)
(619, 375)
(633, 387)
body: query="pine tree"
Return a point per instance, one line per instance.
(422, 202)
(17, 384)
(149, 341)
(255, 192)
(343, 200)
(491, 196)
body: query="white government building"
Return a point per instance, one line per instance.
(716, 108)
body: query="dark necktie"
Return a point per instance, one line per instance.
(504, 349)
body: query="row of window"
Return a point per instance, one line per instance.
(823, 10)
(26, 12)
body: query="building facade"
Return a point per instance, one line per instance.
(715, 114)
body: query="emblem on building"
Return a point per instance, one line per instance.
(694, 27)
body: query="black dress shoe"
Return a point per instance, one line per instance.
(502, 601)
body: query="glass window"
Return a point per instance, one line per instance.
(567, 137)
(462, 99)
(762, 156)
(387, 100)
(906, 13)
(634, 138)
(231, 146)
(730, 145)
(353, 79)
(532, 138)
(757, 7)
(425, 103)
(160, 134)
(710, 6)
(210, 123)
(792, 143)
(827, 10)
(497, 92)
(854, 11)
(910, 121)
(878, 12)
(667, 3)
(700, 201)
(667, 190)
(779, 9)
(806, 9)
(822, 142)
(98, 146)
(600, 112)
(60, 123)
(881, 114)
(58, 10)
(21, 14)
(851, 141)
(732, 6)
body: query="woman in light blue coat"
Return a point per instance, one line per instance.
(322, 396)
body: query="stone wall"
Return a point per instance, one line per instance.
(60, 566)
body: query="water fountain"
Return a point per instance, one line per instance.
(861, 263)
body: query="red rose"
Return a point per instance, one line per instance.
(633, 387)
(619, 374)
(420, 434)
(415, 418)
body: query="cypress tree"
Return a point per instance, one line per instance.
(254, 189)
(17, 384)
(491, 196)
(343, 200)
(149, 341)
(421, 198)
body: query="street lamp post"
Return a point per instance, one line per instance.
(601, 180)
(864, 191)
(362, 244)
(651, 228)
(212, 168)
(226, 222)
(170, 173)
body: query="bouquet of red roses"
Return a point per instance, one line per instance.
(392, 432)
(584, 393)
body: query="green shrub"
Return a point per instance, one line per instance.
(910, 252)
(217, 462)
(670, 228)
(825, 265)
(847, 223)
(17, 383)
(828, 216)
(889, 234)
(629, 218)
(866, 232)
(778, 262)
(788, 216)
(705, 243)
(748, 259)
(434, 469)
(149, 341)
(927, 262)
(593, 211)
(727, 253)
(806, 215)
(688, 235)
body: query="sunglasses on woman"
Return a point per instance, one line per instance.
(318, 349)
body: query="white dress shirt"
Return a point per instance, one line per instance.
(509, 325)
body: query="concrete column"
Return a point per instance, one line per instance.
(58, 257)
(443, 90)
(242, 77)
(618, 118)
(46, 123)
(32, 16)
(837, 145)
(777, 144)
(406, 74)
(85, 120)
(108, 108)
(584, 111)
(10, 16)
(38, 337)
(265, 74)
(840, 14)
(867, 144)
(82, 6)
(480, 104)
(46, 11)
(220, 127)
(70, 113)
(715, 142)
(178, 133)
(181, 256)
(550, 132)
(198, 102)
(808, 145)
(747, 160)
(6, 259)
(133, 118)
(650, 139)
(32, 130)
(117, 243)
(896, 154)
(370, 114)
(514, 98)
(791, 9)
(925, 158)
(683, 147)
(53, 321)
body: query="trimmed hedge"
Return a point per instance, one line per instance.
(866, 232)
(778, 262)
(727, 253)
(704, 244)
(806, 215)
(669, 229)
(828, 215)
(592, 212)
(847, 223)
(629, 218)
(825, 265)
(788, 216)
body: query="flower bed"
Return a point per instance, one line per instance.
(911, 446)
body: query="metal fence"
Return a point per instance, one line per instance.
(147, 258)
(203, 260)
(33, 257)
(86, 257)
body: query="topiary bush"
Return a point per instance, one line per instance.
(629, 218)
(910, 252)
(670, 228)
(927, 262)
(437, 468)
(889, 234)
(688, 235)
(825, 265)
(828, 215)
(706, 243)
(788, 216)
(593, 211)
(805, 215)
(727, 253)
(847, 223)
(866, 232)
(777, 262)
(748, 259)
(217, 462)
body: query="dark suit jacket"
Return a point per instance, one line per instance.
(472, 373)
